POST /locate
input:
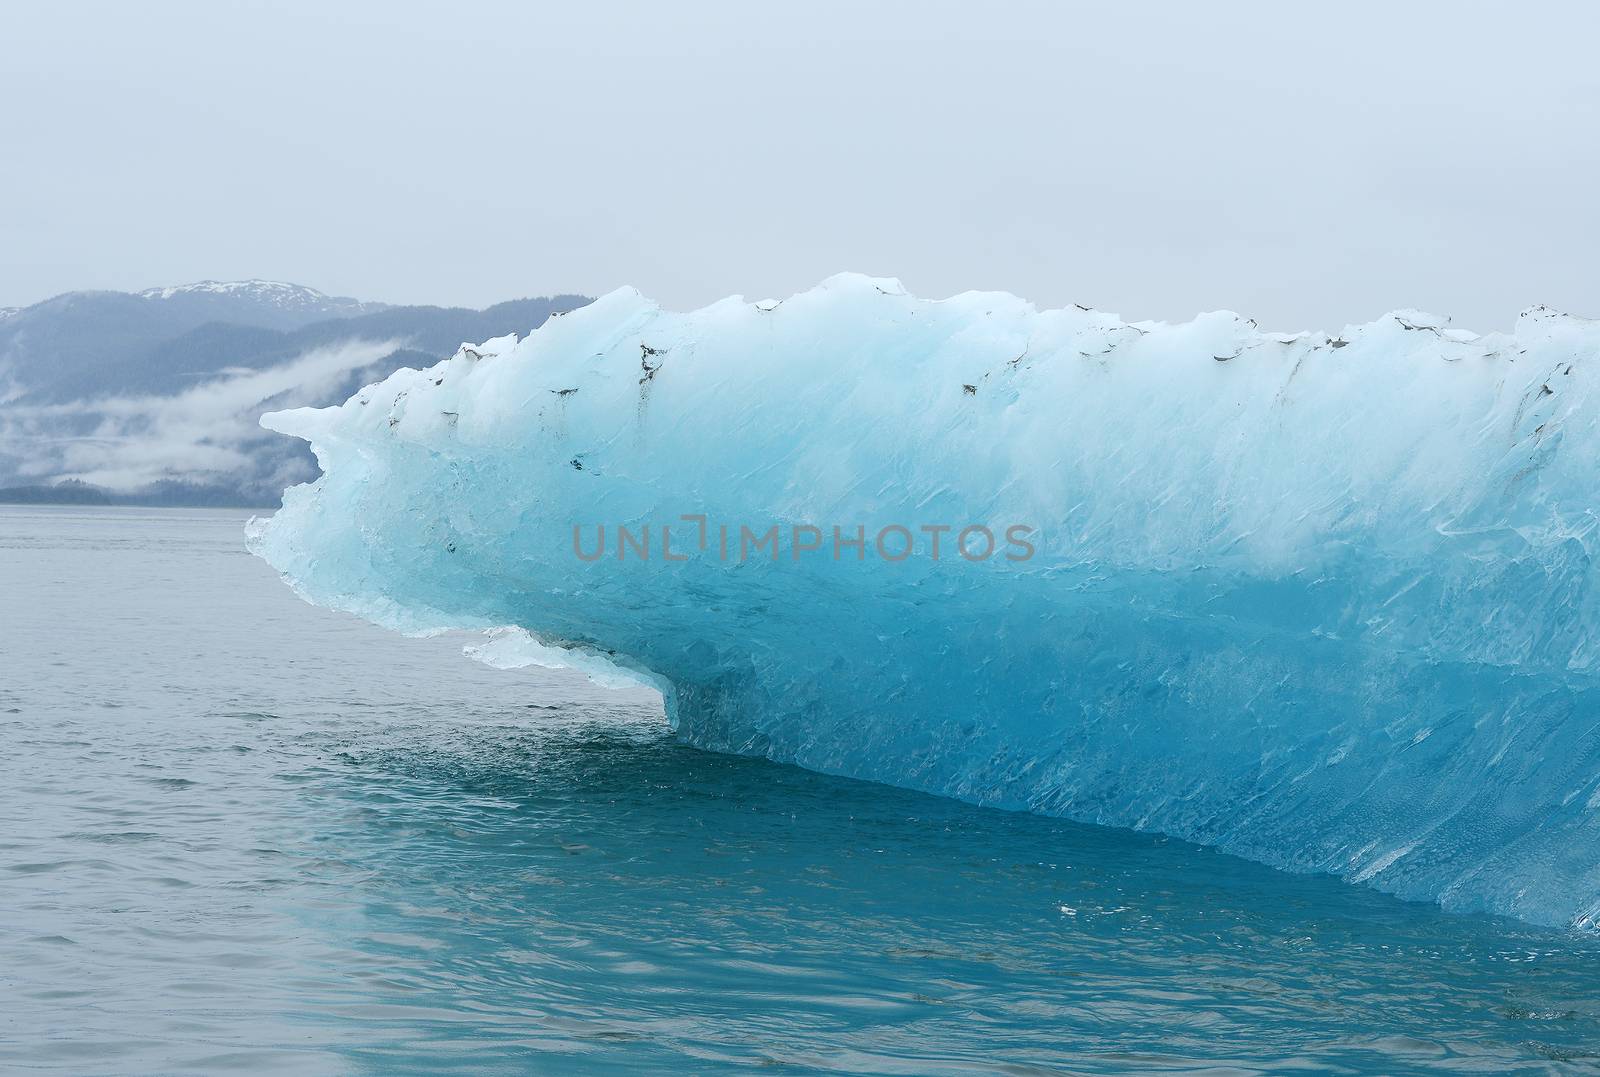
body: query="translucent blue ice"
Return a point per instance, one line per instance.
(1326, 602)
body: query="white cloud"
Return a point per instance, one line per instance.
(205, 434)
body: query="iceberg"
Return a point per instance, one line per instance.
(1323, 601)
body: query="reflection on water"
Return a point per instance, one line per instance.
(239, 833)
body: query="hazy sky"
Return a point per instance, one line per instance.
(1304, 167)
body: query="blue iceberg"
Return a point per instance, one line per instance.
(1327, 602)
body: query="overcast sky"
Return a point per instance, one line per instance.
(1309, 168)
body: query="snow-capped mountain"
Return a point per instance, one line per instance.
(273, 289)
(80, 344)
(266, 296)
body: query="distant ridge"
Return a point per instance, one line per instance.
(162, 494)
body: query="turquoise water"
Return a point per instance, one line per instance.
(238, 833)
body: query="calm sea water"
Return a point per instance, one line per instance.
(240, 833)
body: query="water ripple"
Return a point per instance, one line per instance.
(236, 867)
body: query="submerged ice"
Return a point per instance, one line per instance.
(1323, 601)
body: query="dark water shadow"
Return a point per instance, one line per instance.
(590, 885)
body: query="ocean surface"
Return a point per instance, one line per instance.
(238, 833)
